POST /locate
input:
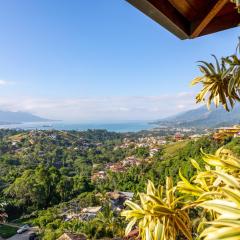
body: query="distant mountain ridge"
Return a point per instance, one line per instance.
(8, 117)
(203, 118)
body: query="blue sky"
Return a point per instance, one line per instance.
(92, 60)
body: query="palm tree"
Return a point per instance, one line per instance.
(107, 220)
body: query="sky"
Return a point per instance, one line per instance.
(97, 60)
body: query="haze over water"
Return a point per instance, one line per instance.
(115, 127)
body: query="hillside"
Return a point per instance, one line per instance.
(202, 117)
(8, 117)
(50, 179)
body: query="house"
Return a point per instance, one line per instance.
(178, 136)
(162, 142)
(237, 134)
(31, 141)
(70, 236)
(90, 212)
(130, 161)
(53, 136)
(69, 215)
(101, 175)
(223, 132)
(153, 151)
(117, 199)
(195, 136)
(128, 195)
(85, 214)
(117, 167)
(14, 143)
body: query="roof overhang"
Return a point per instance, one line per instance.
(190, 18)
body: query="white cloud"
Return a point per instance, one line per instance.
(3, 82)
(181, 106)
(103, 108)
(185, 94)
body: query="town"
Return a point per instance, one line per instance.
(92, 164)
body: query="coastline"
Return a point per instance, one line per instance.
(60, 125)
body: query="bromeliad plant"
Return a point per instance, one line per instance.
(160, 215)
(217, 190)
(227, 225)
(221, 169)
(214, 189)
(220, 81)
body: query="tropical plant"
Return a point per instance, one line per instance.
(3, 214)
(221, 81)
(160, 216)
(207, 183)
(110, 222)
(237, 2)
(214, 189)
(227, 225)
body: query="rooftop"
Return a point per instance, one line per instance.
(92, 209)
(69, 236)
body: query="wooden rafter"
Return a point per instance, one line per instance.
(222, 22)
(208, 18)
(184, 8)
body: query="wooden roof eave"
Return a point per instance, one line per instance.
(208, 18)
(153, 12)
(182, 19)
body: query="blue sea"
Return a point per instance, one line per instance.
(114, 127)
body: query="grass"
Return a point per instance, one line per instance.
(19, 221)
(23, 221)
(7, 231)
(17, 137)
(172, 149)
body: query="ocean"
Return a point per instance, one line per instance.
(114, 127)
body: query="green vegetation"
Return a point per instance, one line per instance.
(212, 193)
(171, 150)
(46, 176)
(7, 231)
(220, 81)
(204, 203)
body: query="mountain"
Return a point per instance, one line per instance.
(202, 117)
(8, 117)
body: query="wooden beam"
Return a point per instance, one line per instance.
(224, 22)
(165, 14)
(185, 9)
(208, 18)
